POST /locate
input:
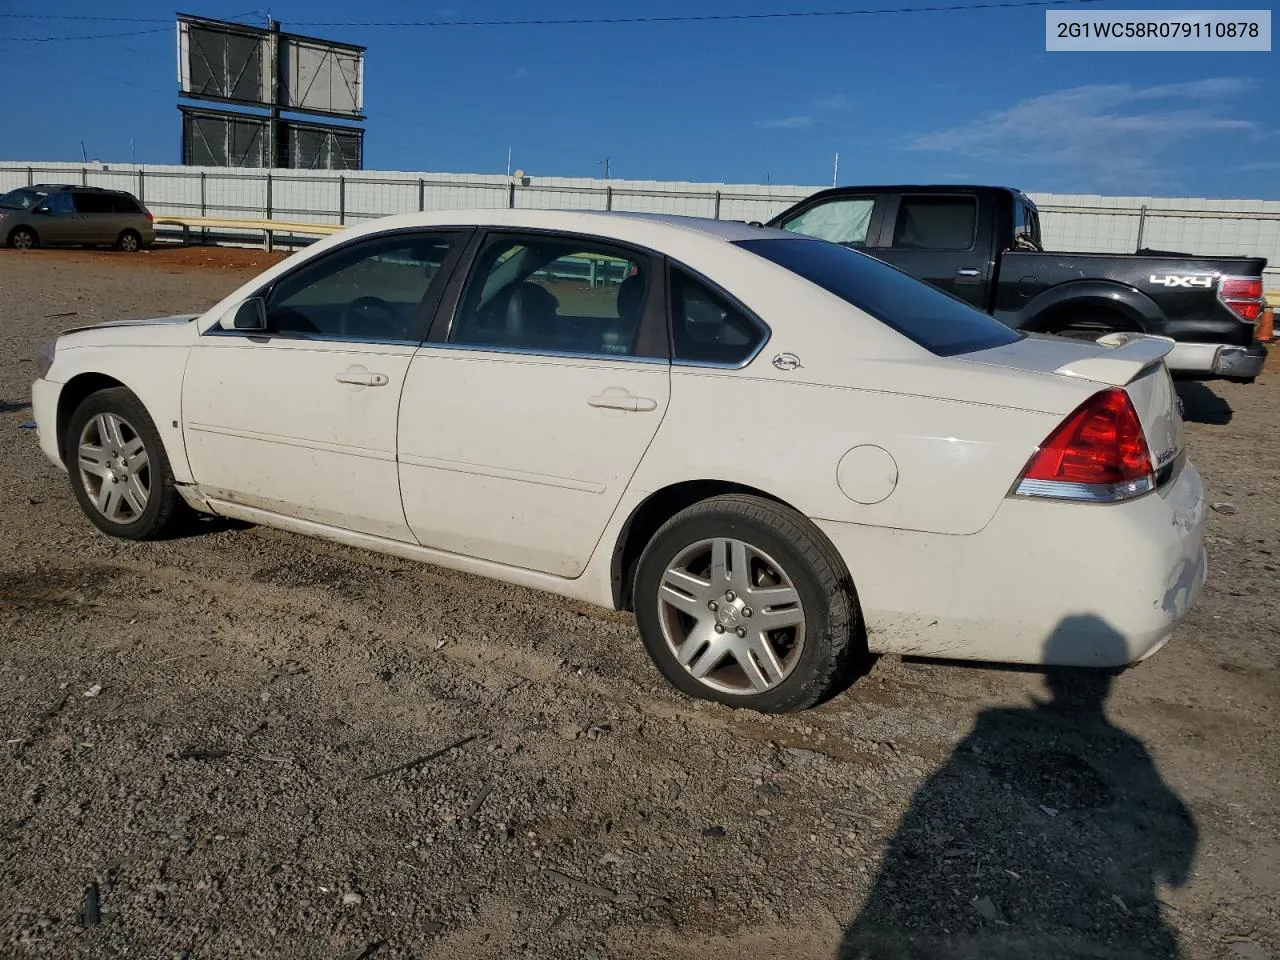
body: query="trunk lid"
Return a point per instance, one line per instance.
(1133, 361)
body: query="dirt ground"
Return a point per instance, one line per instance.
(245, 743)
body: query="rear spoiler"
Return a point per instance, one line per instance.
(1129, 356)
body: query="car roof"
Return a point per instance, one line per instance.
(636, 227)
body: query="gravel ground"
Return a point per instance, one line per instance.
(249, 744)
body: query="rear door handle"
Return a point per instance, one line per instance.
(361, 377)
(969, 272)
(623, 401)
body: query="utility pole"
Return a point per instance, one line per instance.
(835, 170)
(273, 124)
(508, 163)
(606, 168)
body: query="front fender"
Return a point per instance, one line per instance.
(1107, 295)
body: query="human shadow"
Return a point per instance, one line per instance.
(1045, 835)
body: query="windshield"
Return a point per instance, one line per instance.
(23, 198)
(937, 321)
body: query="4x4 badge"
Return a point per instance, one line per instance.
(786, 361)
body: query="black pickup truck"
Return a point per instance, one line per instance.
(982, 244)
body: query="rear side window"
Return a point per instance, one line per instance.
(937, 321)
(93, 203)
(935, 223)
(123, 203)
(707, 328)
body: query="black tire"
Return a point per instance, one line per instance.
(832, 621)
(129, 241)
(165, 511)
(23, 238)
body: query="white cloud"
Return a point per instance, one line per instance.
(836, 101)
(1258, 166)
(1103, 136)
(788, 123)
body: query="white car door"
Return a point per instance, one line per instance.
(300, 419)
(522, 425)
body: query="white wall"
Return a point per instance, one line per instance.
(1070, 222)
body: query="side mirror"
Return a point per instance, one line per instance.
(250, 315)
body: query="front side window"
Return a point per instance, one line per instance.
(935, 223)
(706, 327)
(372, 290)
(843, 221)
(59, 203)
(553, 295)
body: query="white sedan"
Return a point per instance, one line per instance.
(778, 452)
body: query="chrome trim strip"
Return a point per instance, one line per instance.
(1085, 492)
(340, 448)
(217, 331)
(502, 473)
(549, 354)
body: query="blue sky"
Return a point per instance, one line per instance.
(939, 96)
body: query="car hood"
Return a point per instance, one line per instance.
(147, 332)
(147, 322)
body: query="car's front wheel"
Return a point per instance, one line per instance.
(119, 470)
(23, 238)
(742, 600)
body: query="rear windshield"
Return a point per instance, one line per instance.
(937, 321)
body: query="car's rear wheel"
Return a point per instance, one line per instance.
(119, 470)
(23, 238)
(129, 241)
(743, 601)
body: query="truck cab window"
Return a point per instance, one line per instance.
(935, 223)
(839, 221)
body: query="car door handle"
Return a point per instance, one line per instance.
(623, 401)
(361, 377)
(968, 272)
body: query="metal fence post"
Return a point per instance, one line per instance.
(84, 177)
(717, 204)
(1142, 224)
(422, 195)
(31, 177)
(142, 189)
(267, 240)
(204, 231)
(511, 194)
(342, 200)
(608, 198)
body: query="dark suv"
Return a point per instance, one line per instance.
(64, 215)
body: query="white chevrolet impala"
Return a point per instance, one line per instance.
(778, 452)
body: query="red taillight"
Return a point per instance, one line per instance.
(1241, 288)
(150, 217)
(1242, 296)
(1098, 453)
(1245, 309)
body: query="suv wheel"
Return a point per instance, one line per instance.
(742, 600)
(129, 241)
(23, 238)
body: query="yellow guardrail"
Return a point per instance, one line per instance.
(268, 228)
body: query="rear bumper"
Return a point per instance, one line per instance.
(1218, 359)
(1050, 583)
